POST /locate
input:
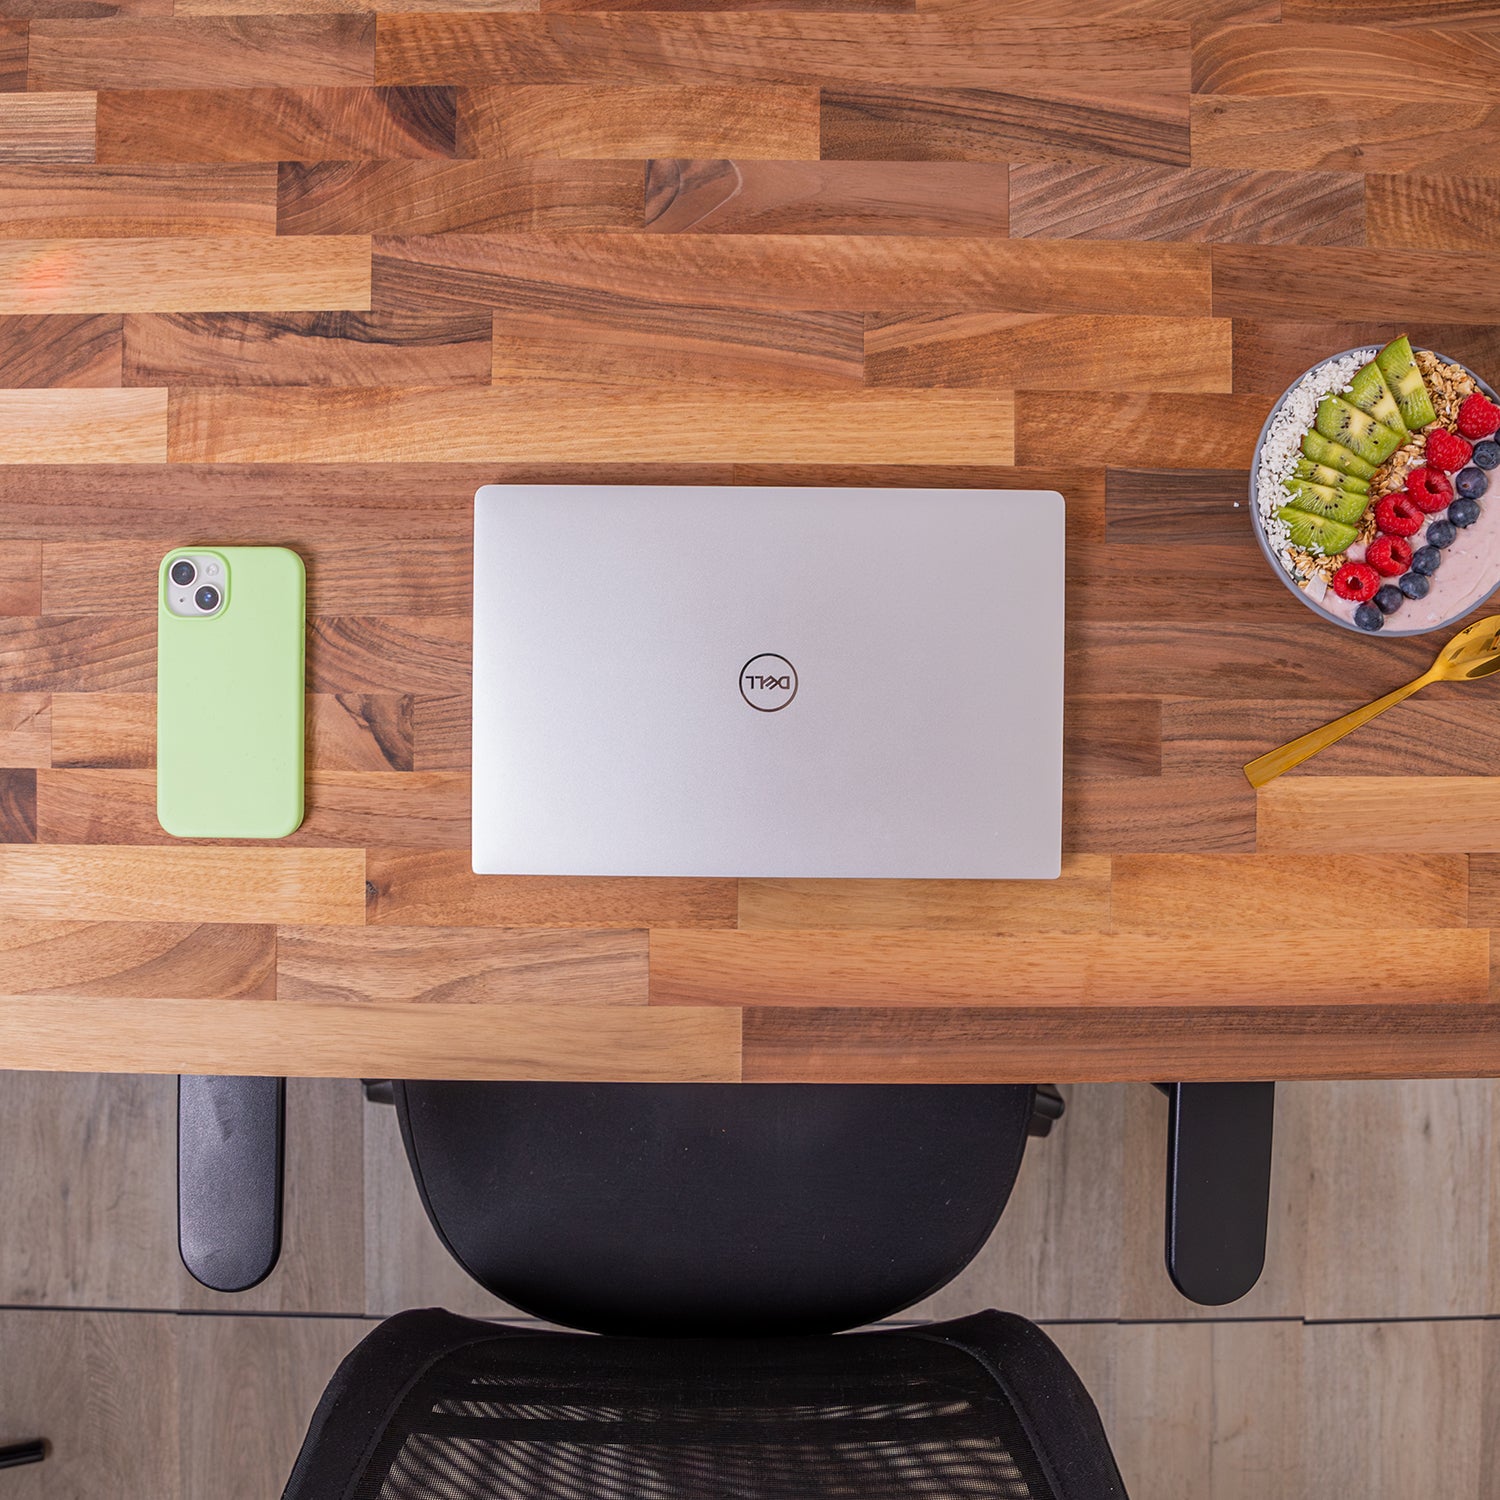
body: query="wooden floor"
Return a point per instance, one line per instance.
(311, 276)
(1367, 1363)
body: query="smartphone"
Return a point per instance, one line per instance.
(231, 633)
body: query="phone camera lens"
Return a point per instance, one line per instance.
(183, 572)
(207, 598)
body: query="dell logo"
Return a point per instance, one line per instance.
(768, 682)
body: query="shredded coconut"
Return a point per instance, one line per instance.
(1283, 447)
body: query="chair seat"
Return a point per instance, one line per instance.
(436, 1407)
(711, 1208)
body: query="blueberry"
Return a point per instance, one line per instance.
(1441, 533)
(1426, 560)
(1414, 585)
(1389, 599)
(1367, 617)
(1471, 483)
(1487, 454)
(1464, 512)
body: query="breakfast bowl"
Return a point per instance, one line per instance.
(1370, 532)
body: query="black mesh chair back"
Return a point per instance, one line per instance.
(710, 1208)
(435, 1407)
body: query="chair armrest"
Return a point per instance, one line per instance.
(1218, 1187)
(230, 1147)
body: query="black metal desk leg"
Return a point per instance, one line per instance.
(1218, 1187)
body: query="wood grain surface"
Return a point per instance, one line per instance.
(309, 273)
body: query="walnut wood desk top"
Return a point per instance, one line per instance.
(312, 278)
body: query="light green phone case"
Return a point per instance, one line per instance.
(229, 701)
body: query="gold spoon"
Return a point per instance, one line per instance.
(1473, 652)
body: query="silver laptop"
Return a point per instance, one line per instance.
(767, 682)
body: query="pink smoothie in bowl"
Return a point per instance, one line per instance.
(1450, 567)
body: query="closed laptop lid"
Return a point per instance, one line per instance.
(767, 682)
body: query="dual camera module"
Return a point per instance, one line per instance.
(184, 573)
(195, 585)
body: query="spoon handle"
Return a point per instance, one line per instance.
(1267, 767)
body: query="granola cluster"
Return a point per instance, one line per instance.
(1447, 385)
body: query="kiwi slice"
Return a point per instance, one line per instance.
(1317, 533)
(1334, 479)
(1369, 392)
(1320, 500)
(1357, 430)
(1322, 450)
(1405, 381)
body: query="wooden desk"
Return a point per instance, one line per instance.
(957, 244)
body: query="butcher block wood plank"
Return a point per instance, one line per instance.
(1075, 970)
(1105, 57)
(1165, 893)
(460, 965)
(104, 729)
(560, 424)
(60, 350)
(1146, 201)
(826, 197)
(1431, 213)
(969, 1044)
(905, 123)
(1438, 813)
(25, 729)
(82, 426)
(1427, 286)
(1168, 814)
(58, 202)
(340, 349)
(1151, 506)
(345, 809)
(229, 273)
(1077, 352)
(429, 197)
(867, 273)
(43, 127)
(17, 805)
(388, 653)
(1332, 60)
(611, 120)
(1077, 902)
(21, 579)
(621, 1043)
(102, 960)
(617, 340)
(12, 54)
(1334, 133)
(437, 888)
(1445, 732)
(182, 884)
(219, 52)
(275, 124)
(1271, 353)
(1135, 430)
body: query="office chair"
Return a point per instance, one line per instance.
(436, 1407)
(513, 1176)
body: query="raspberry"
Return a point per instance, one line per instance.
(1430, 488)
(1445, 450)
(1478, 417)
(1356, 581)
(1398, 515)
(1390, 555)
